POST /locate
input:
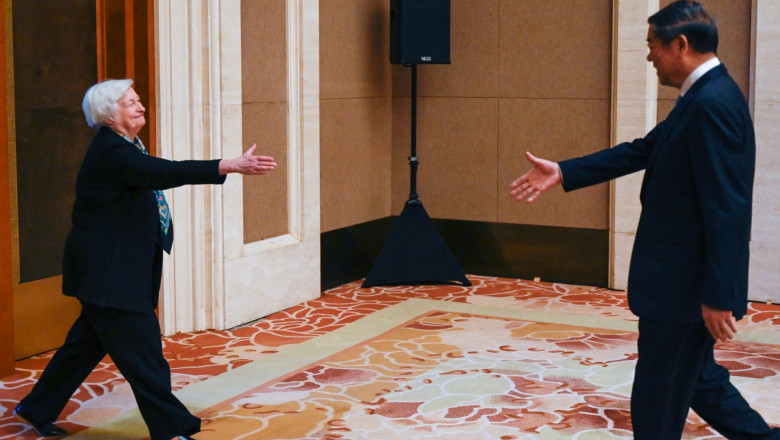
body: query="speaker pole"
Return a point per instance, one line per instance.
(413, 162)
(414, 252)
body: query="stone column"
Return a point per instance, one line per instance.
(765, 103)
(634, 100)
(196, 103)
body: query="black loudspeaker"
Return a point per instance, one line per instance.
(420, 31)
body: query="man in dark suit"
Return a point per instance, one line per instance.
(113, 264)
(689, 267)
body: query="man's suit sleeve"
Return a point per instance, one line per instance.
(722, 150)
(605, 165)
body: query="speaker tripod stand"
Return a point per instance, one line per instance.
(414, 252)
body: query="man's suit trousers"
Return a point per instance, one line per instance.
(675, 372)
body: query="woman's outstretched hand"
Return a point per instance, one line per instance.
(248, 163)
(543, 176)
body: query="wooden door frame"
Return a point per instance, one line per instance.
(139, 54)
(6, 279)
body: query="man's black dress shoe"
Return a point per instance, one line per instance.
(45, 430)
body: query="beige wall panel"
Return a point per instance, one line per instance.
(554, 130)
(456, 146)
(473, 71)
(355, 161)
(555, 49)
(734, 23)
(264, 50)
(264, 114)
(354, 48)
(402, 79)
(265, 197)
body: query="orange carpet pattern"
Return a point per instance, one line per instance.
(195, 357)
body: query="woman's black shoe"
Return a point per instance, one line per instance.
(46, 430)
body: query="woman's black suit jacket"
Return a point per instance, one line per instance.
(112, 255)
(692, 241)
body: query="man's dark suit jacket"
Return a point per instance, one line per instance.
(112, 255)
(692, 241)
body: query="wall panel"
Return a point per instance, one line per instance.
(555, 48)
(264, 115)
(456, 147)
(354, 49)
(265, 201)
(264, 56)
(555, 130)
(355, 161)
(356, 118)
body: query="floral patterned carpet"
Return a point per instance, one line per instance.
(502, 359)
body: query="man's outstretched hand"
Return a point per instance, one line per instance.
(543, 176)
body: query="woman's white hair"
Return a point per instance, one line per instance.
(102, 99)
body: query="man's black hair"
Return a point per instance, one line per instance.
(686, 18)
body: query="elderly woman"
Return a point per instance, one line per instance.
(113, 264)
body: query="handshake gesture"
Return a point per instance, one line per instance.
(248, 163)
(543, 176)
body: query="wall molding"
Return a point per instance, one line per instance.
(634, 102)
(213, 279)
